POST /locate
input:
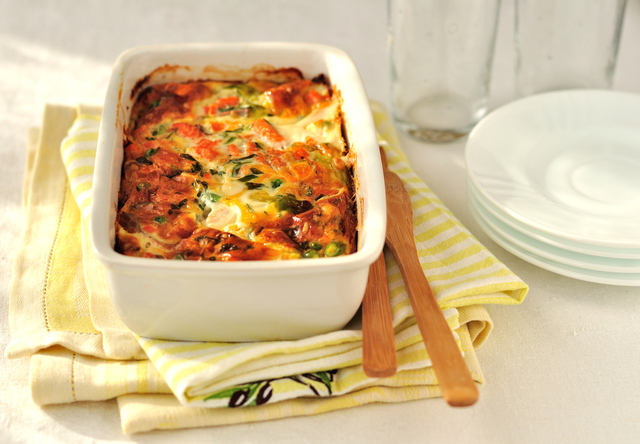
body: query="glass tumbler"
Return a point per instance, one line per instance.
(563, 44)
(441, 53)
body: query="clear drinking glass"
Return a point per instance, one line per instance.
(562, 44)
(441, 53)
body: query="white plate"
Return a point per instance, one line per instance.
(566, 163)
(554, 241)
(600, 277)
(545, 251)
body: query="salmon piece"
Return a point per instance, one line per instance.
(187, 130)
(299, 152)
(233, 150)
(226, 102)
(217, 126)
(294, 98)
(267, 131)
(222, 104)
(184, 89)
(252, 148)
(207, 148)
(277, 162)
(302, 170)
(312, 97)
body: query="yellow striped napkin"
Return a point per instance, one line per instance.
(461, 271)
(78, 151)
(62, 317)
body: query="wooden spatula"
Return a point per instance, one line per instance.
(378, 341)
(458, 389)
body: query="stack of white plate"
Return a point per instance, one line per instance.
(555, 179)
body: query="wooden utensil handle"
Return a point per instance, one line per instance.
(458, 389)
(378, 340)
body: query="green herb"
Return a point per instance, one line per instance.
(256, 171)
(178, 257)
(258, 111)
(249, 208)
(315, 246)
(334, 249)
(275, 183)
(154, 104)
(188, 157)
(159, 130)
(263, 197)
(212, 197)
(226, 109)
(204, 185)
(142, 186)
(181, 204)
(239, 162)
(253, 185)
(143, 160)
(150, 152)
(242, 159)
(175, 171)
(289, 203)
(242, 88)
(230, 139)
(327, 162)
(196, 168)
(248, 178)
(160, 219)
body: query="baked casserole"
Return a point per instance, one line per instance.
(224, 170)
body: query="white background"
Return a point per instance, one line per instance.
(563, 367)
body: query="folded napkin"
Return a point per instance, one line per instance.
(61, 316)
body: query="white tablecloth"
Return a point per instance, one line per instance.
(562, 367)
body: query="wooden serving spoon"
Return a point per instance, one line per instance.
(458, 389)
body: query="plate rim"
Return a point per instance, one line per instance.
(478, 207)
(544, 264)
(554, 241)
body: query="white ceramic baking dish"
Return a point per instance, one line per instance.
(236, 301)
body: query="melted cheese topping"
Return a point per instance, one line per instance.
(236, 171)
